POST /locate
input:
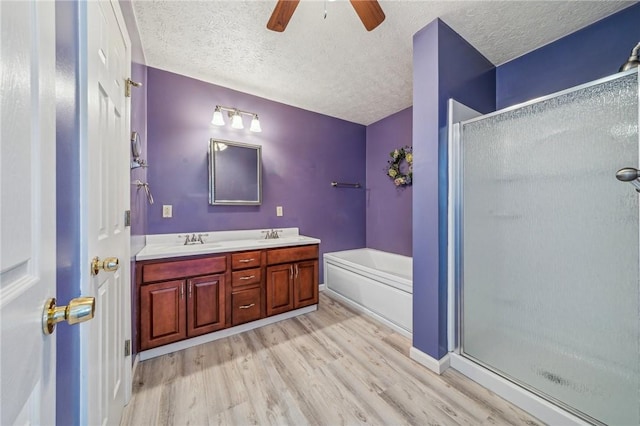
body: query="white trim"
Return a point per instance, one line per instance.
(206, 338)
(438, 366)
(134, 367)
(531, 403)
(322, 287)
(358, 307)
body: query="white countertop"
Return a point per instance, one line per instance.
(160, 246)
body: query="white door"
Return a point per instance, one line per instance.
(27, 211)
(107, 142)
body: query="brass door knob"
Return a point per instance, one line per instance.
(109, 264)
(78, 310)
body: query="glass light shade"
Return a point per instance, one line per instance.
(236, 121)
(255, 125)
(217, 120)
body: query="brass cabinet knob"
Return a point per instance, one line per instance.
(78, 310)
(110, 264)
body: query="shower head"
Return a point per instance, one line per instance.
(633, 60)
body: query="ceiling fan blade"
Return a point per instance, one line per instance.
(282, 14)
(370, 13)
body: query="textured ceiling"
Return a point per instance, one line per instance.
(334, 66)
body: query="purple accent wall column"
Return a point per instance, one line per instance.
(302, 152)
(389, 215)
(445, 66)
(595, 51)
(425, 189)
(67, 209)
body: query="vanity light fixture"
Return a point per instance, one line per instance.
(236, 121)
(255, 124)
(236, 118)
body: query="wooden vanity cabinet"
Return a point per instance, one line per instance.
(292, 278)
(181, 299)
(186, 297)
(247, 286)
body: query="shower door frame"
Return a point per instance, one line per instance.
(546, 408)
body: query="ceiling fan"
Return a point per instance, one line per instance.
(369, 11)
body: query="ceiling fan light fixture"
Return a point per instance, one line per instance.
(218, 119)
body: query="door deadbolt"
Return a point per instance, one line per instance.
(110, 264)
(78, 310)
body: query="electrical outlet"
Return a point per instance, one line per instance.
(167, 210)
(279, 211)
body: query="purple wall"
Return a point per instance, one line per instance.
(139, 124)
(302, 152)
(438, 74)
(67, 209)
(591, 53)
(389, 224)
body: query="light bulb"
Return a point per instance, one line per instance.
(217, 120)
(236, 121)
(255, 124)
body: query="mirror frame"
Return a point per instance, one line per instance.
(212, 169)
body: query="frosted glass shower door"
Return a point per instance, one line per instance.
(550, 289)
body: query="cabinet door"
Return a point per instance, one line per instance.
(205, 311)
(279, 289)
(162, 314)
(305, 287)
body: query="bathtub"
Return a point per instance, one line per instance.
(375, 282)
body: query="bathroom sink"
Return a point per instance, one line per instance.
(172, 245)
(178, 248)
(282, 240)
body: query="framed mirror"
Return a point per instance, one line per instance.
(235, 173)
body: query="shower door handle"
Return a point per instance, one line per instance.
(631, 175)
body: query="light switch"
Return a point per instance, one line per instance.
(279, 211)
(167, 210)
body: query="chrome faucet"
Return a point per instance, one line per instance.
(272, 235)
(192, 239)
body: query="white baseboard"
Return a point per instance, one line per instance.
(206, 338)
(438, 366)
(322, 287)
(529, 402)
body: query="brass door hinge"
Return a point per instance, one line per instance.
(127, 87)
(127, 347)
(127, 218)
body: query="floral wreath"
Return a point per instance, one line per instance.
(393, 171)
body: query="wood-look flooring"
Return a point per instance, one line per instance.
(334, 366)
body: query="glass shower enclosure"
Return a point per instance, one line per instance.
(547, 248)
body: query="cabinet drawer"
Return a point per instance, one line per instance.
(183, 268)
(245, 306)
(246, 277)
(291, 254)
(247, 259)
